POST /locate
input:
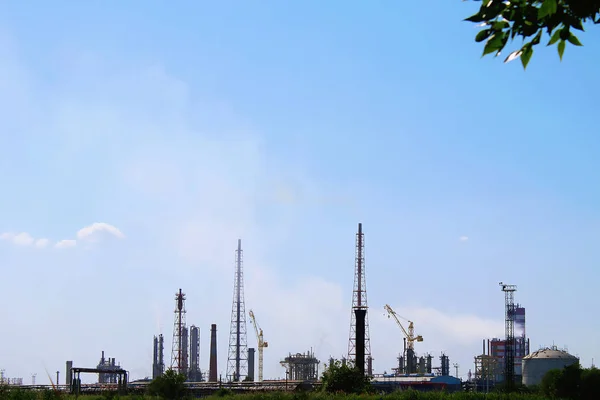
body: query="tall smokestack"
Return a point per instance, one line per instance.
(194, 375)
(161, 355)
(359, 329)
(251, 364)
(185, 350)
(69, 375)
(212, 373)
(360, 339)
(155, 359)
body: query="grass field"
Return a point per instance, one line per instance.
(407, 395)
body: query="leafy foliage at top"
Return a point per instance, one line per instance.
(169, 386)
(572, 383)
(529, 19)
(346, 378)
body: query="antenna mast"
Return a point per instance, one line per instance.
(237, 361)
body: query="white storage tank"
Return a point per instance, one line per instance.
(537, 364)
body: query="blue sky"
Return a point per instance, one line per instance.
(286, 124)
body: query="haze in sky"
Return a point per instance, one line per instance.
(139, 140)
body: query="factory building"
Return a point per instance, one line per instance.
(301, 367)
(537, 364)
(108, 364)
(9, 381)
(489, 366)
(411, 364)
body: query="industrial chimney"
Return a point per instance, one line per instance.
(212, 373)
(360, 339)
(251, 364)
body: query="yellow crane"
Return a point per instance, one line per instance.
(261, 345)
(410, 335)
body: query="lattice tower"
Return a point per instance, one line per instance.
(509, 349)
(178, 353)
(237, 360)
(359, 301)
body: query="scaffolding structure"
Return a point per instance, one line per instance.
(237, 360)
(179, 345)
(509, 352)
(301, 366)
(9, 381)
(487, 371)
(359, 304)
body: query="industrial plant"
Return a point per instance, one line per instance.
(301, 366)
(506, 361)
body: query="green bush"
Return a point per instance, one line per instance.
(346, 378)
(169, 386)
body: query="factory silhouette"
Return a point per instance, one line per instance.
(506, 361)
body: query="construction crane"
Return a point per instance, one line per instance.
(410, 335)
(261, 345)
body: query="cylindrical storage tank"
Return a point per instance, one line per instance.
(538, 363)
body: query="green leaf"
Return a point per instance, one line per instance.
(548, 8)
(573, 40)
(555, 37)
(537, 38)
(526, 55)
(499, 25)
(494, 10)
(475, 18)
(561, 49)
(577, 24)
(482, 35)
(494, 44)
(514, 55)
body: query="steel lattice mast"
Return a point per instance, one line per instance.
(359, 302)
(178, 353)
(509, 349)
(237, 361)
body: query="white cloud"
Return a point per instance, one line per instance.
(7, 236)
(41, 243)
(90, 231)
(463, 329)
(65, 243)
(464, 238)
(21, 239)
